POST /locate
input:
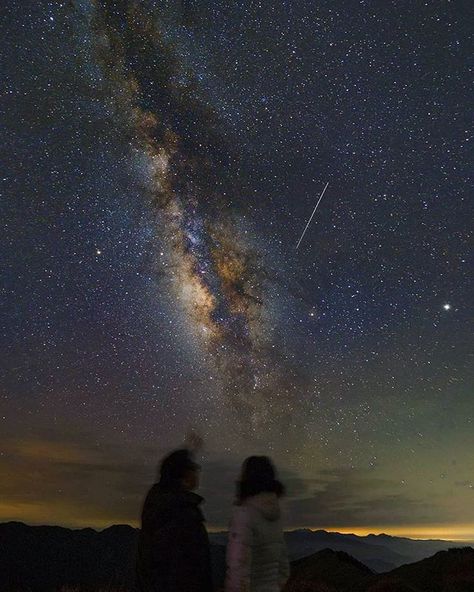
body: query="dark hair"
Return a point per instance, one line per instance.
(173, 468)
(258, 476)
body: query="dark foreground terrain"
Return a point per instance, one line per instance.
(55, 559)
(335, 571)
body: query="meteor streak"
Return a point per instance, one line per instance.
(311, 217)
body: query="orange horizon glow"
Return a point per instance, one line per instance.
(457, 533)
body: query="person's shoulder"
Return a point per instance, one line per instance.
(152, 494)
(243, 513)
(154, 490)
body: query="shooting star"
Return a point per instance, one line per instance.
(311, 217)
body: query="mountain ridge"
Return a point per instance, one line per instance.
(44, 558)
(336, 571)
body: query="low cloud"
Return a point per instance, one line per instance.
(63, 479)
(351, 497)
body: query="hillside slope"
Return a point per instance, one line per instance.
(330, 571)
(53, 559)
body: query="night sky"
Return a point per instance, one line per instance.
(159, 163)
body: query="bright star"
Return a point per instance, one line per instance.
(98, 252)
(446, 306)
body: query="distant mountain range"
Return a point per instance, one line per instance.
(379, 552)
(55, 559)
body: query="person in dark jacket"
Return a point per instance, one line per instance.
(173, 546)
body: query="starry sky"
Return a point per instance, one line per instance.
(160, 160)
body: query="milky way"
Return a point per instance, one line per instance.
(220, 276)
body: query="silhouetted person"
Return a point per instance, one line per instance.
(257, 560)
(173, 547)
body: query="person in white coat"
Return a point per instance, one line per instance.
(257, 559)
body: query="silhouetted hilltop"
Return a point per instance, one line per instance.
(446, 571)
(329, 571)
(44, 558)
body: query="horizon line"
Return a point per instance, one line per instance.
(416, 532)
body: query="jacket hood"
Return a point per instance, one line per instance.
(175, 497)
(267, 504)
